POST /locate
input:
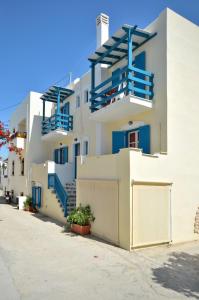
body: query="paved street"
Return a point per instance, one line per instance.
(40, 261)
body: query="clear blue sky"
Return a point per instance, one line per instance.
(43, 40)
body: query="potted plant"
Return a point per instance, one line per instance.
(80, 219)
(28, 204)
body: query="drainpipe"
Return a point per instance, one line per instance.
(170, 219)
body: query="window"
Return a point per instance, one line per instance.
(61, 155)
(13, 168)
(85, 148)
(86, 96)
(22, 167)
(77, 101)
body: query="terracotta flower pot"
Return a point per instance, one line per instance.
(30, 209)
(83, 230)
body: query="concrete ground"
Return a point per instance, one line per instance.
(40, 261)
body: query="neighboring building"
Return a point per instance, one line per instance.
(4, 174)
(25, 126)
(124, 144)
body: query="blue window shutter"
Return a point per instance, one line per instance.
(144, 139)
(116, 75)
(65, 149)
(56, 156)
(140, 63)
(119, 140)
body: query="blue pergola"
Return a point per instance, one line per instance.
(120, 46)
(57, 95)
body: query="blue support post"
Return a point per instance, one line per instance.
(130, 59)
(92, 83)
(44, 109)
(58, 101)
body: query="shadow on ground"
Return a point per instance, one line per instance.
(180, 273)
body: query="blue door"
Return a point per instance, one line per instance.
(116, 77)
(140, 63)
(65, 109)
(36, 196)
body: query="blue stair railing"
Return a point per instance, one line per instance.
(55, 184)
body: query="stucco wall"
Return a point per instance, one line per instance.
(102, 196)
(108, 168)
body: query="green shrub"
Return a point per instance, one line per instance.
(28, 202)
(81, 215)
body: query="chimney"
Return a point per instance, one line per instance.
(102, 26)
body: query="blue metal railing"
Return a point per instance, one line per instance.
(57, 121)
(131, 80)
(55, 184)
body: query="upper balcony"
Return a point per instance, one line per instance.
(61, 122)
(129, 89)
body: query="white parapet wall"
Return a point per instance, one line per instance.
(154, 203)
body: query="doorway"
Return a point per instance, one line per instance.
(77, 153)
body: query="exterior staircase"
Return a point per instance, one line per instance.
(70, 188)
(66, 197)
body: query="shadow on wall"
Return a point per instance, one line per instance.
(180, 274)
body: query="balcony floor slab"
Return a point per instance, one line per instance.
(55, 135)
(125, 107)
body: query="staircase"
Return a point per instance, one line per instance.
(70, 188)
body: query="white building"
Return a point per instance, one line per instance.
(4, 174)
(134, 167)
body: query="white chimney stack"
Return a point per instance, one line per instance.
(102, 26)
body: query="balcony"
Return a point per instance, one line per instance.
(60, 123)
(130, 95)
(129, 90)
(57, 125)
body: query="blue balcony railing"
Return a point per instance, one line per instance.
(57, 121)
(130, 81)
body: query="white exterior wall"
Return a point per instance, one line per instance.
(29, 113)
